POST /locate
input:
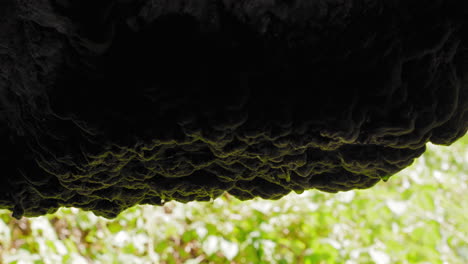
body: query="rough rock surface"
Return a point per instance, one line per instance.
(107, 104)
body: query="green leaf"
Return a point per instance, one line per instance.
(161, 246)
(114, 227)
(189, 235)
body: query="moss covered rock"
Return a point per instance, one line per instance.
(111, 104)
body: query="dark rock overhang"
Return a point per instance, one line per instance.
(111, 104)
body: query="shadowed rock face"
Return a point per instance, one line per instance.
(111, 104)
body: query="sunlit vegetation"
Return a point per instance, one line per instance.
(418, 216)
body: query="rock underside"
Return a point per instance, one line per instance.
(111, 104)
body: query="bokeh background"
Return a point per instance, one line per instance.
(419, 216)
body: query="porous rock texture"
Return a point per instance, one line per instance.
(107, 104)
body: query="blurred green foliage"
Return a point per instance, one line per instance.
(418, 216)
